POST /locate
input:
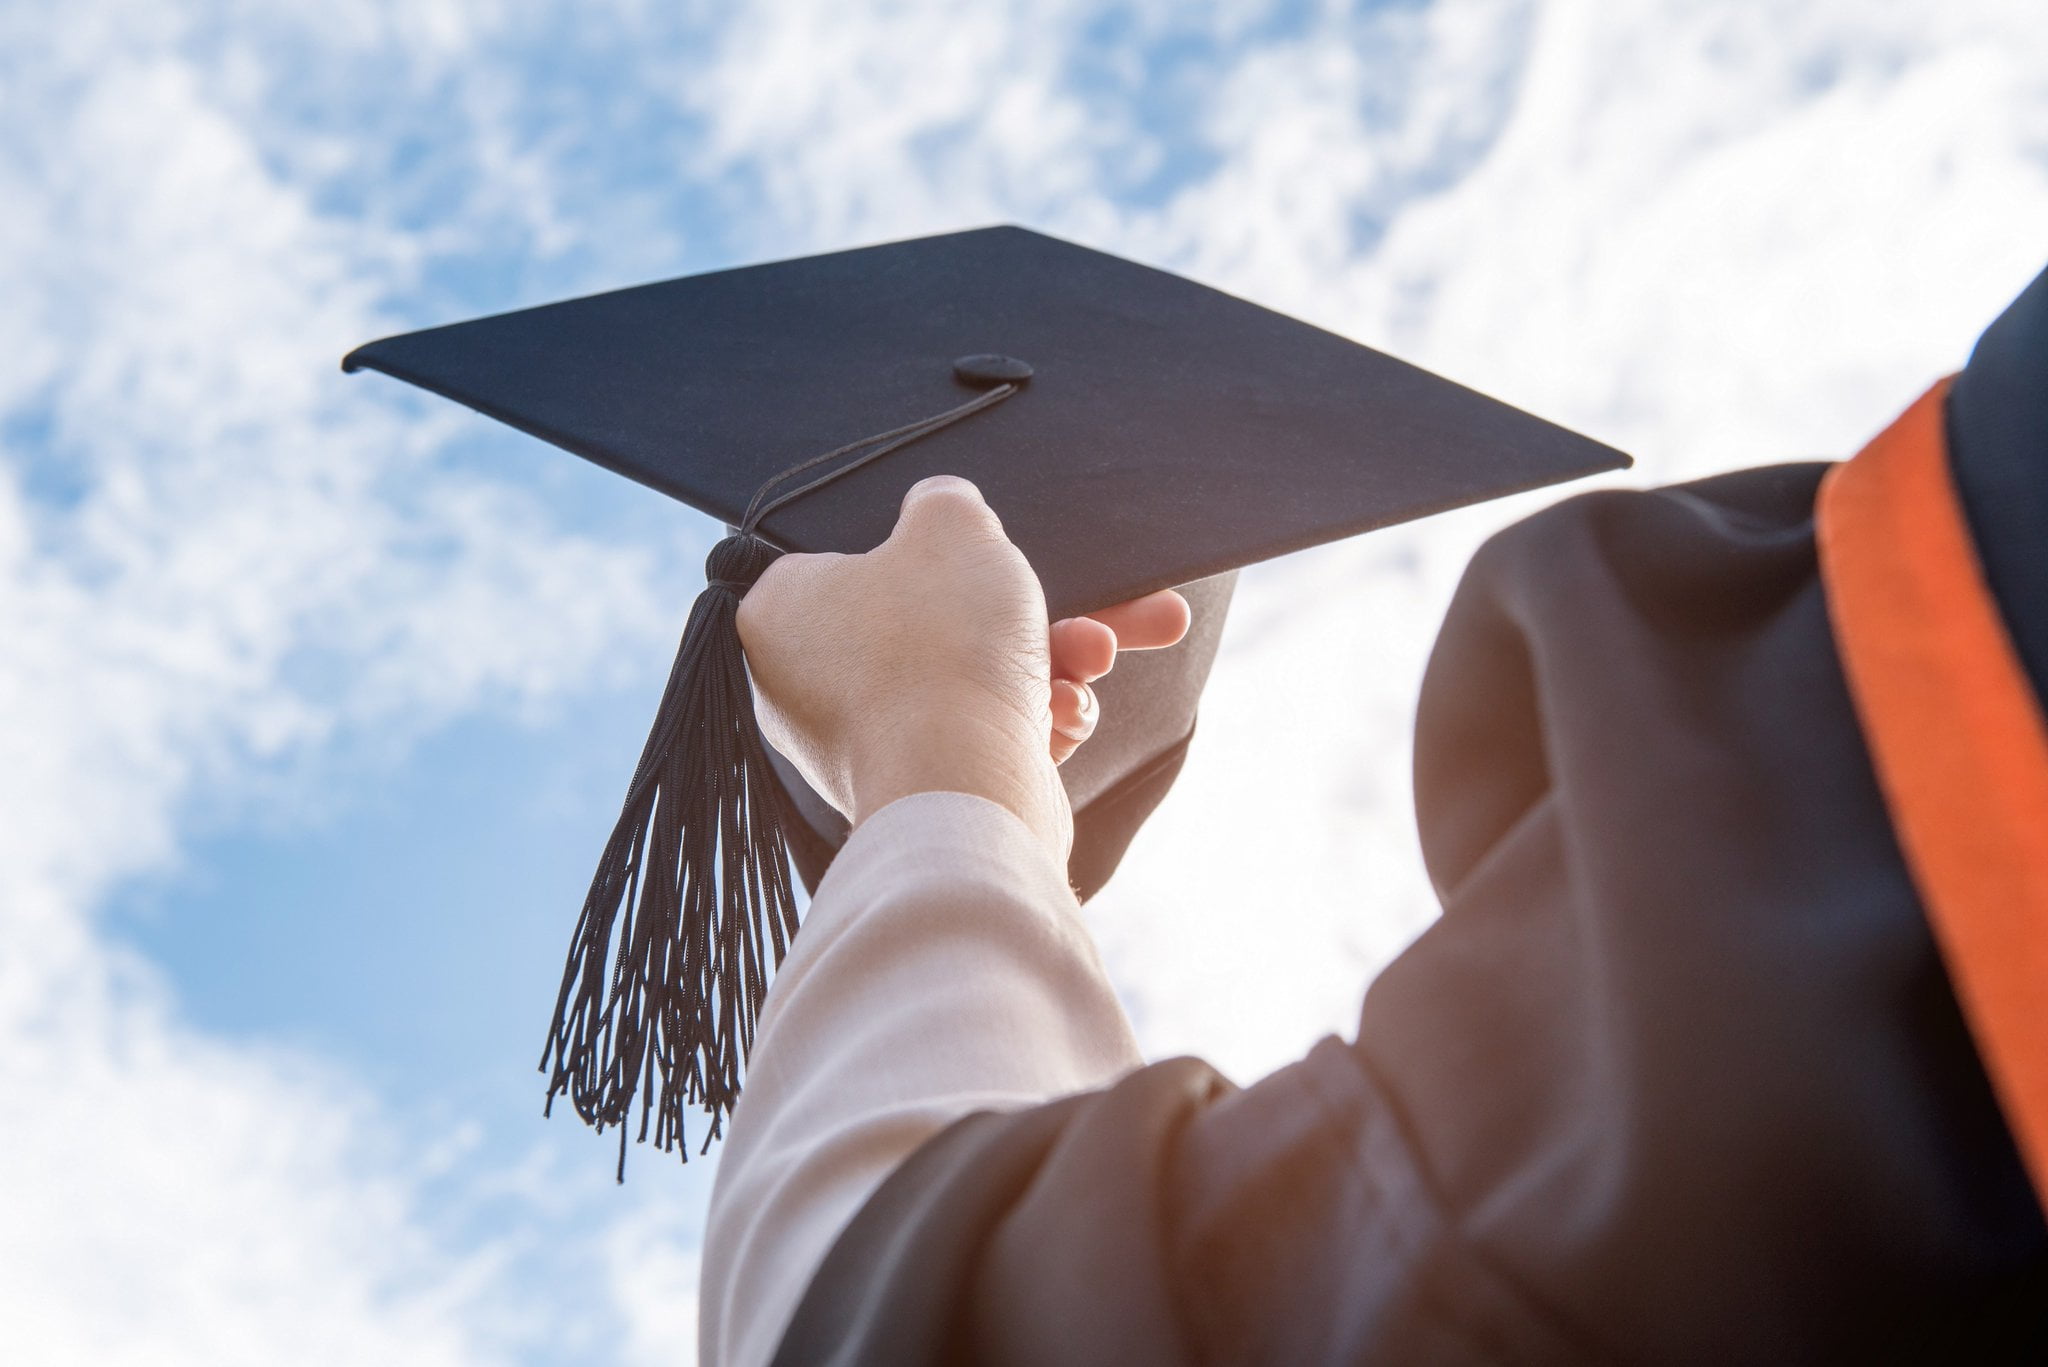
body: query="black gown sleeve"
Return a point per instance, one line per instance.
(1677, 1077)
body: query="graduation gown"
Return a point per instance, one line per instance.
(1680, 1075)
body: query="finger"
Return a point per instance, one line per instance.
(1148, 623)
(1074, 714)
(1082, 648)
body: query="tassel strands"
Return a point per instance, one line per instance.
(667, 967)
(692, 906)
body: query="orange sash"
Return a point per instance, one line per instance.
(1958, 740)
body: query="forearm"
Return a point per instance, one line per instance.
(969, 746)
(942, 969)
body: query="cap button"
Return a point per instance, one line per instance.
(988, 370)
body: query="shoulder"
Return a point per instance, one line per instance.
(1642, 545)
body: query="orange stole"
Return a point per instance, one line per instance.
(1958, 740)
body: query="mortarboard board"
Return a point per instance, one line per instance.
(1133, 430)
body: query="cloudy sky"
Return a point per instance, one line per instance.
(316, 696)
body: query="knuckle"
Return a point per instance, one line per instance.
(749, 619)
(764, 607)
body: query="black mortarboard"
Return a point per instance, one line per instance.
(1132, 429)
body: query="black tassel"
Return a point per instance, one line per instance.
(668, 965)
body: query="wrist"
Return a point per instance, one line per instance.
(982, 752)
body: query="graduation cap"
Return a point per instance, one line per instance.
(1133, 430)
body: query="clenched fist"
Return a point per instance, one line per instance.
(927, 664)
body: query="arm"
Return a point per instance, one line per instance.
(942, 967)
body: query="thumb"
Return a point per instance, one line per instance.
(944, 508)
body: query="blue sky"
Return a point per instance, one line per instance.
(318, 694)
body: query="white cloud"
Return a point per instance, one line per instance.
(651, 1262)
(171, 1199)
(1715, 235)
(850, 123)
(243, 564)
